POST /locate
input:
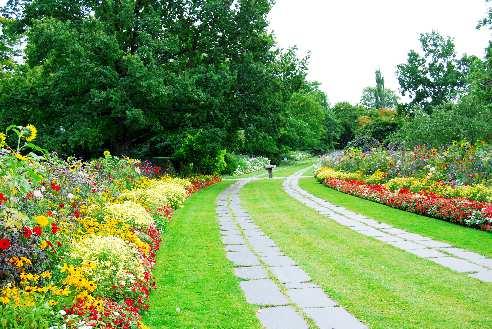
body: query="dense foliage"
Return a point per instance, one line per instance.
(78, 239)
(183, 79)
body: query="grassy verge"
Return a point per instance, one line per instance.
(287, 170)
(456, 235)
(196, 286)
(383, 286)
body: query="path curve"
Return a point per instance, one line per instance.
(456, 259)
(284, 293)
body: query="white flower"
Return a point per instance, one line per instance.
(37, 194)
(43, 188)
(62, 312)
(70, 196)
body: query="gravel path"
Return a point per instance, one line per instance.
(284, 293)
(457, 259)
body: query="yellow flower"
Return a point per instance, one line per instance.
(46, 275)
(42, 220)
(20, 156)
(3, 139)
(31, 133)
(43, 245)
(52, 303)
(107, 154)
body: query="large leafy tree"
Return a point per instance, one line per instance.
(379, 97)
(434, 76)
(150, 77)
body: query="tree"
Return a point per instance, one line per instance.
(305, 120)
(151, 77)
(379, 97)
(436, 76)
(346, 116)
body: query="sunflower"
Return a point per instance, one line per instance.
(3, 139)
(20, 157)
(30, 133)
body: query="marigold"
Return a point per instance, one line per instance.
(42, 220)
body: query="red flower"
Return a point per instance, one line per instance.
(37, 230)
(3, 199)
(49, 213)
(61, 205)
(27, 232)
(55, 187)
(54, 228)
(76, 213)
(488, 211)
(4, 244)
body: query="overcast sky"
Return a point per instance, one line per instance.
(350, 39)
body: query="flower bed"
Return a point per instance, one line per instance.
(78, 240)
(459, 210)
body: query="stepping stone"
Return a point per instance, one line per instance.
(243, 259)
(394, 231)
(434, 244)
(230, 235)
(264, 241)
(300, 285)
(251, 273)
(485, 276)
(310, 297)
(486, 262)
(237, 248)
(465, 254)
(263, 293)
(233, 240)
(290, 274)
(416, 237)
(278, 260)
(284, 317)
(407, 245)
(371, 232)
(269, 252)
(389, 238)
(333, 318)
(345, 221)
(457, 264)
(427, 253)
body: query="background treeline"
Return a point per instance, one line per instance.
(202, 80)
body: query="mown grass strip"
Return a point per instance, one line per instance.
(196, 286)
(459, 236)
(381, 285)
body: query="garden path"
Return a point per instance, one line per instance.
(284, 293)
(457, 259)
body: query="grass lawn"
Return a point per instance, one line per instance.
(196, 286)
(459, 236)
(287, 170)
(381, 285)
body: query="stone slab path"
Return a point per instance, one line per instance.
(284, 293)
(456, 259)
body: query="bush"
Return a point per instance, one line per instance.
(447, 123)
(248, 165)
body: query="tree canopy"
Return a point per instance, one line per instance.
(436, 75)
(153, 77)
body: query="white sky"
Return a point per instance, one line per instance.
(350, 39)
